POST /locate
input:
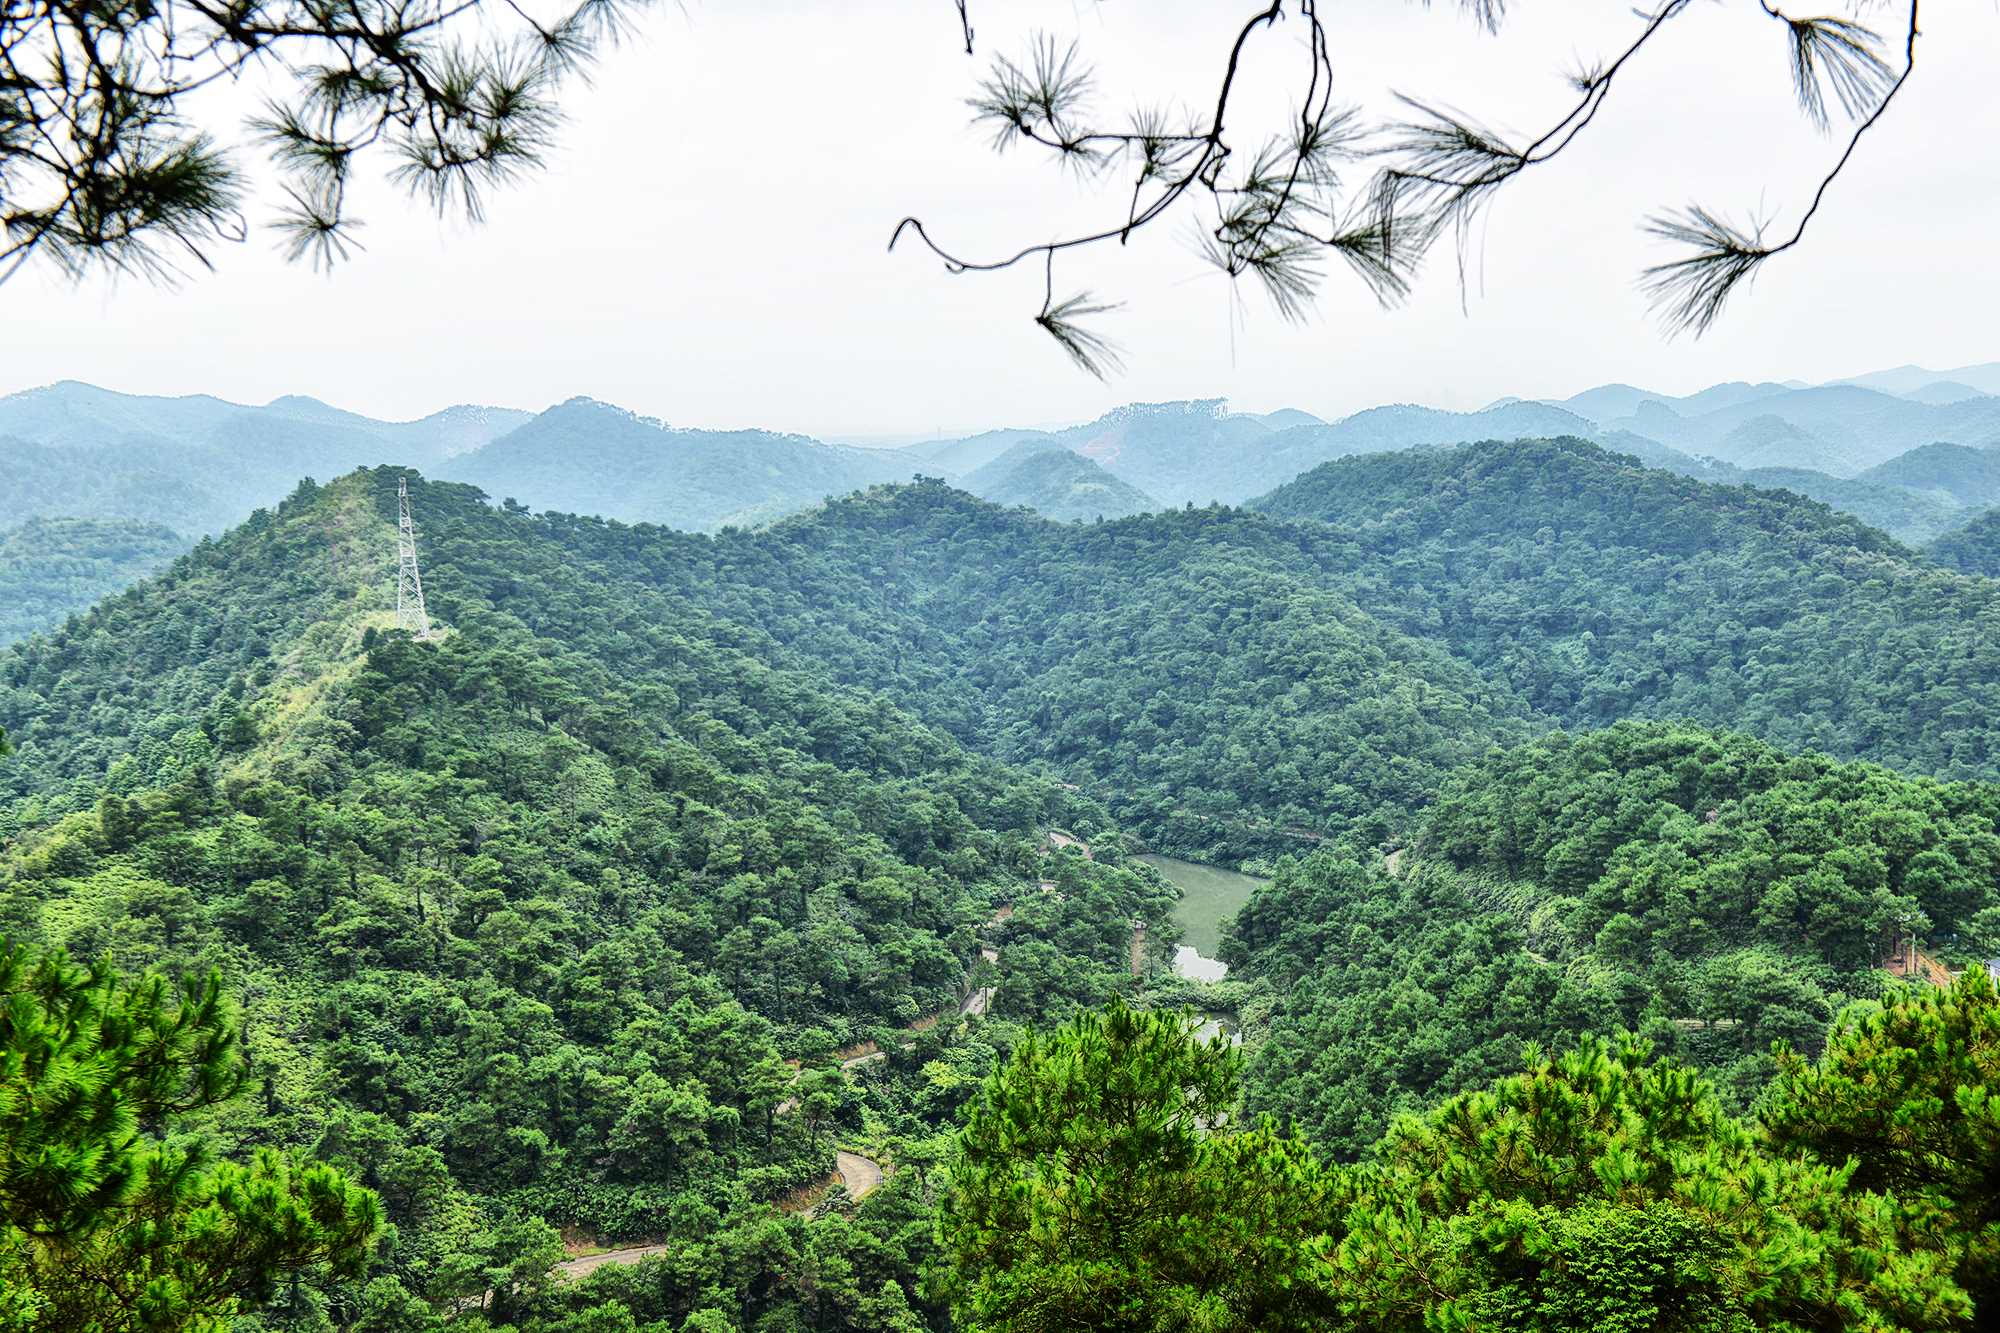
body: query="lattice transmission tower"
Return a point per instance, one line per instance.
(410, 613)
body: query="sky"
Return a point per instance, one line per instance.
(708, 242)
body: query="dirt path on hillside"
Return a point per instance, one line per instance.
(576, 1268)
(978, 1002)
(857, 1173)
(1900, 964)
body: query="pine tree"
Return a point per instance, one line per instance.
(1905, 1095)
(108, 1228)
(1099, 1186)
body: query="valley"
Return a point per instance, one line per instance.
(732, 838)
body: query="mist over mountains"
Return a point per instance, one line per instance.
(1915, 453)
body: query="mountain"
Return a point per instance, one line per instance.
(1839, 429)
(526, 920)
(72, 413)
(1911, 513)
(1768, 440)
(198, 463)
(1056, 484)
(1700, 888)
(1951, 473)
(1287, 417)
(1612, 401)
(1176, 452)
(589, 457)
(120, 481)
(1972, 549)
(680, 867)
(1943, 391)
(51, 568)
(1197, 452)
(1199, 670)
(1907, 380)
(960, 458)
(1909, 516)
(1599, 590)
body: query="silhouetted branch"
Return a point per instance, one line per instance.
(1278, 208)
(99, 167)
(1690, 292)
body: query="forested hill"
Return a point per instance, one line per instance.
(1224, 677)
(1200, 668)
(1973, 549)
(1703, 889)
(527, 918)
(1596, 590)
(530, 921)
(51, 566)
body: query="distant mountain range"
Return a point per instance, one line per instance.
(1911, 451)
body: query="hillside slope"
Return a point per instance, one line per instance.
(1950, 472)
(51, 568)
(1598, 590)
(1056, 484)
(1972, 549)
(1704, 890)
(1196, 666)
(529, 917)
(589, 457)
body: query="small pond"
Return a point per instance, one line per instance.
(1209, 897)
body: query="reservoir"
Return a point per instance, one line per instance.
(1209, 897)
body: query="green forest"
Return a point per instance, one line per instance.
(356, 981)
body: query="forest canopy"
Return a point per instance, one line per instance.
(677, 865)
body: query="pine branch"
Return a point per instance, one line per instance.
(1836, 54)
(1690, 292)
(1090, 351)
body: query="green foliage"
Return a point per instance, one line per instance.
(107, 1229)
(530, 918)
(111, 483)
(1103, 1184)
(1598, 1190)
(1193, 665)
(50, 568)
(550, 928)
(1695, 885)
(1953, 472)
(1973, 549)
(1904, 1098)
(1908, 516)
(1100, 1184)
(102, 165)
(1599, 591)
(83, 1060)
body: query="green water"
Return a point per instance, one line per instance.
(1209, 897)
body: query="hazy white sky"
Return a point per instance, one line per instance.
(709, 245)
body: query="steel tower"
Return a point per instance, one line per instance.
(410, 613)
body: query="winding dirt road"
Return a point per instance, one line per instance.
(576, 1268)
(857, 1173)
(860, 1175)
